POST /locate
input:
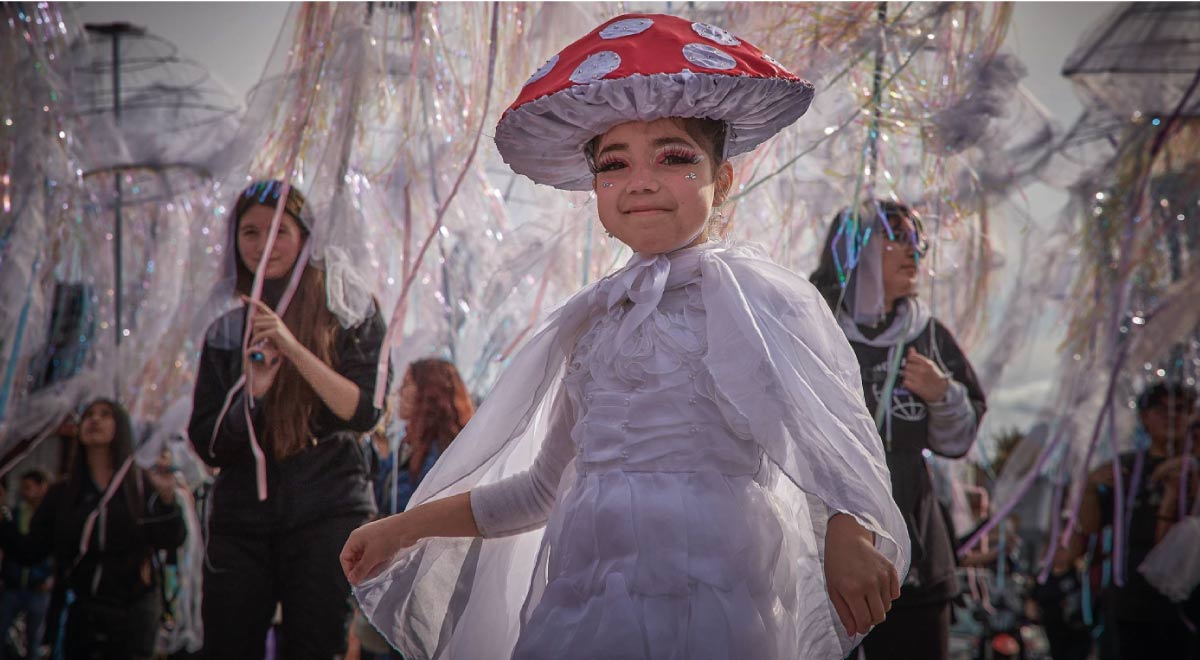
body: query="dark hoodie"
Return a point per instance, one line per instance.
(913, 425)
(112, 570)
(329, 478)
(136, 524)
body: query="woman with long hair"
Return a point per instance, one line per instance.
(103, 526)
(435, 405)
(925, 397)
(281, 415)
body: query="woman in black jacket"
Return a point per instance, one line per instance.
(931, 403)
(103, 526)
(293, 481)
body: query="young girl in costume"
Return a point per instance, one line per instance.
(680, 463)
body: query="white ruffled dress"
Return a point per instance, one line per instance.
(670, 529)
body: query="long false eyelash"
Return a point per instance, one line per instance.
(606, 163)
(684, 154)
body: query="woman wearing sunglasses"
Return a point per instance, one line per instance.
(923, 393)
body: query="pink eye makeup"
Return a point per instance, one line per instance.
(610, 163)
(676, 155)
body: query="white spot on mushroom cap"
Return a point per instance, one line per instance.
(595, 67)
(708, 57)
(626, 28)
(715, 34)
(543, 71)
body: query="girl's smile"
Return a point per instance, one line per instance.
(656, 187)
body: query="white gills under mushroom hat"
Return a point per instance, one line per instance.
(642, 67)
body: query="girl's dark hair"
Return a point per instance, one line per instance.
(291, 401)
(708, 133)
(443, 407)
(826, 277)
(1160, 393)
(120, 449)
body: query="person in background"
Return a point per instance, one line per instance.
(103, 526)
(26, 586)
(1140, 621)
(283, 420)
(435, 404)
(925, 397)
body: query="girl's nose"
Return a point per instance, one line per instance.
(642, 181)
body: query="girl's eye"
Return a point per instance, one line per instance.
(609, 164)
(679, 156)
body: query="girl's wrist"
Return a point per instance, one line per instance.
(401, 529)
(288, 348)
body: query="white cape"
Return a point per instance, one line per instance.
(786, 376)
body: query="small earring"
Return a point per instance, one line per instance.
(691, 175)
(608, 233)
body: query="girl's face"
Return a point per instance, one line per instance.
(407, 397)
(655, 186)
(252, 239)
(900, 253)
(99, 426)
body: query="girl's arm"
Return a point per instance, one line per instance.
(163, 521)
(1169, 473)
(523, 501)
(519, 503)
(348, 394)
(339, 393)
(373, 545)
(953, 394)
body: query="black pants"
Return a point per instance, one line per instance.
(911, 633)
(1155, 640)
(105, 630)
(1067, 643)
(247, 575)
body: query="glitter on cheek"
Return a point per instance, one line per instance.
(607, 184)
(691, 176)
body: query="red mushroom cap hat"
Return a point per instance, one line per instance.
(642, 67)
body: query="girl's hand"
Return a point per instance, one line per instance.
(267, 326)
(373, 545)
(261, 364)
(1103, 476)
(923, 377)
(1169, 471)
(162, 477)
(862, 583)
